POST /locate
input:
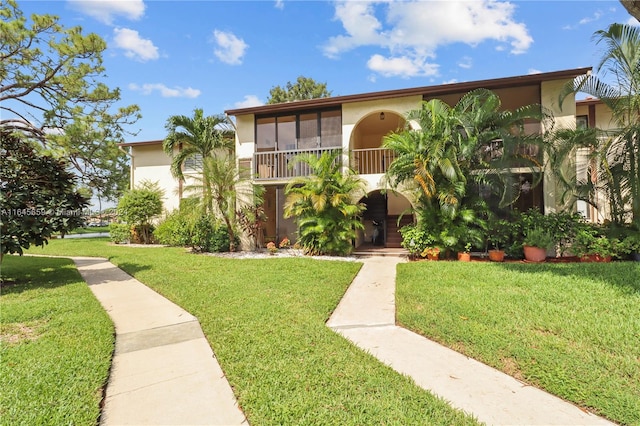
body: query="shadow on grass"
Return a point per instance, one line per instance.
(23, 273)
(132, 268)
(624, 275)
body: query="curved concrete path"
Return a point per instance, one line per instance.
(163, 370)
(366, 316)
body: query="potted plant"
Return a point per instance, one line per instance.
(498, 236)
(536, 243)
(591, 247)
(431, 253)
(465, 254)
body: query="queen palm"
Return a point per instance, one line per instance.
(323, 204)
(613, 155)
(197, 138)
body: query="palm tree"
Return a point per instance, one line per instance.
(224, 186)
(323, 204)
(615, 154)
(442, 145)
(197, 138)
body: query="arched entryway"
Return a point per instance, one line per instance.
(386, 213)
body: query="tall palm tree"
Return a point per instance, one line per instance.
(197, 138)
(615, 154)
(323, 204)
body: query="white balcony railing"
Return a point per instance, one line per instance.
(275, 165)
(371, 160)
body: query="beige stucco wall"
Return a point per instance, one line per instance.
(564, 117)
(150, 163)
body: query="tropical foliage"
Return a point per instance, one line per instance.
(192, 139)
(448, 152)
(222, 187)
(612, 165)
(325, 205)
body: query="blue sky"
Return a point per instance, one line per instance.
(170, 57)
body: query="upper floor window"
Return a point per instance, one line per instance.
(193, 163)
(582, 122)
(299, 131)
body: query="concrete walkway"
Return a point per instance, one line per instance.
(163, 371)
(366, 316)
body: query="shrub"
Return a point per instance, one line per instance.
(416, 240)
(138, 207)
(119, 233)
(174, 230)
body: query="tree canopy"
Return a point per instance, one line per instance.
(304, 88)
(37, 196)
(51, 92)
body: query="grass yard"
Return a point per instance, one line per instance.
(572, 329)
(265, 320)
(56, 344)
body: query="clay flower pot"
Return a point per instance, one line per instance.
(496, 255)
(464, 256)
(534, 254)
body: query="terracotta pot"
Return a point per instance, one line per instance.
(496, 255)
(433, 256)
(464, 256)
(534, 254)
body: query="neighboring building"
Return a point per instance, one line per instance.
(269, 136)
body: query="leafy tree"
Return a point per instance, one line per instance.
(614, 155)
(323, 204)
(138, 207)
(50, 91)
(37, 196)
(196, 138)
(303, 88)
(221, 185)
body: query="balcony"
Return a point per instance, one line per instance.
(277, 165)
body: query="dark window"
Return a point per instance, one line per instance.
(331, 129)
(301, 131)
(266, 134)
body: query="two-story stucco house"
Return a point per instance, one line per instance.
(269, 136)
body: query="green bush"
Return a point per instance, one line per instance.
(204, 233)
(174, 230)
(119, 233)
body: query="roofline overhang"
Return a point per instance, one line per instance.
(425, 91)
(143, 143)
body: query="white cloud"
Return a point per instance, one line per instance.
(465, 62)
(230, 49)
(279, 4)
(412, 31)
(134, 46)
(165, 92)
(401, 66)
(106, 10)
(248, 102)
(533, 71)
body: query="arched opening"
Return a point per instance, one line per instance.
(367, 154)
(386, 213)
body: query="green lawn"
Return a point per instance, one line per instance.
(56, 344)
(265, 320)
(572, 329)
